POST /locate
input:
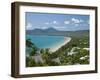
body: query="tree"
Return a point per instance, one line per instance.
(29, 43)
(32, 47)
(33, 51)
(30, 62)
(42, 51)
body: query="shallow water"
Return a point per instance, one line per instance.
(45, 41)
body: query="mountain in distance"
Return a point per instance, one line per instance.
(53, 31)
(48, 30)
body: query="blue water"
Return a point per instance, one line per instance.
(44, 41)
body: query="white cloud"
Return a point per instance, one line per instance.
(81, 20)
(44, 27)
(60, 27)
(66, 22)
(40, 27)
(29, 26)
(54, 22)
(75, 20)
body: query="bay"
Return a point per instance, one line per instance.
(45, 41)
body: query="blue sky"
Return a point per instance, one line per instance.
(62, 22)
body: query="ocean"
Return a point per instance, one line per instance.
(45, 41)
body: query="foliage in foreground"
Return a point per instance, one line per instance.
(62, 56)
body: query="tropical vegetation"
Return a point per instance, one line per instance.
(76, 52)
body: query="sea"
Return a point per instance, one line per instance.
(45, 41)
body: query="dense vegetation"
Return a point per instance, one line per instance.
(74, 52)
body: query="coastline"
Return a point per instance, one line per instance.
(56, 47)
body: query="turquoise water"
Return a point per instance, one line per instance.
(44, 41)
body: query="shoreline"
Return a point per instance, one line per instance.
(56, 47)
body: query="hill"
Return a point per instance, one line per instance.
(52, 31)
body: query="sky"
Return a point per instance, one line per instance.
(61, 22)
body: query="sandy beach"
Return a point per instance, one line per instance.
(56, 47)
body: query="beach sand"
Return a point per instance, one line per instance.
(56, 47)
